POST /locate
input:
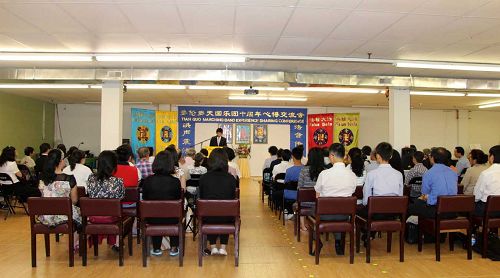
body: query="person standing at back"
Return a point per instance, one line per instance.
(439, 180)
(338, 181)
(217, 184)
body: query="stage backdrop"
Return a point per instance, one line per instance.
(166, 129)
(191, 115)
(320, 130)
(143, 129)
(346, 126)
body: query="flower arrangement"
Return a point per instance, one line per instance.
(243, 150)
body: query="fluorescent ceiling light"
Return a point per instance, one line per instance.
(482, 95)
(334, 90)
(490, 105)
(45, 57)
(125, 102)
(436, 93)
(220, 88)
(448, 66)
(155, 86)
(246, 98)
(269, 88)
(288, 98)
(44, 86)
(167, 57)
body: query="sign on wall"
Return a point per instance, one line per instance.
(143, 129)
(320, 130)
(166, 129)
(189, 116)
(346, 126)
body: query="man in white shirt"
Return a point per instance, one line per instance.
(284, 165)
(488, 182)
(337, 181)
(273, 150)
(463, 162)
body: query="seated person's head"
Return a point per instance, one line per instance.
(366, 150)
(230, 153)
(273, 150)
(106, 165)
(459, 152)
(477, 157)
(383, 152)
(198, 159)
(143, 152)
(279, 153)
(418, 157)
(286, 155)
(28, 151)
(8, 154)
(494, 155)
(439, 156)
(218, 161)
(151, 151)
(164, 164)
(124, 153)
(337, 152)
(204, 152)
(44, 148)
(297, 154)
(62, 147)
(191, 152)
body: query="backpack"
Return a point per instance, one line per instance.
(493, 251)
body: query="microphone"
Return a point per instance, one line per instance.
(81, 143)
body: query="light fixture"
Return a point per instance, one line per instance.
(497, 104)
(155, 87)
(247, 98)
(44, 86)
(167, 57)
(125, 102)
(335, 90)
(482, 95)
(288, 98)
(263, 88)
(220, 88)
(436, 93)
(448, 66)
(49, 57)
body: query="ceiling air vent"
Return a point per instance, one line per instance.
(115, 74)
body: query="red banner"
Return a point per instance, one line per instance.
(320, 130)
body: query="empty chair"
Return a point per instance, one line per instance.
(447, 208)
(490, 220)
(162, 209)
(218, 208)
(122, 226)
(385, 214)
(304, 195)
(329, 206)
(50, 206)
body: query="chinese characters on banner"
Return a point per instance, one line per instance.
(166, 130)
(346, 126)
(143, 129)
(191, 115)
(320, 130)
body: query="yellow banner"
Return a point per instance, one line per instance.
(166, 129)
(346, 127)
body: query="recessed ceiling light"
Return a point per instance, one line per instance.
(49, 57)
(489, 105)
(155, 87)
(247, 98)
(448, 66)
(482, 95)
(335, 90)
(220, 88)
(167, 57)
(44, 86)
(288, 98)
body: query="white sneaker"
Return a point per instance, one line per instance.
(288, 216)
(214, 251)
(223, 252)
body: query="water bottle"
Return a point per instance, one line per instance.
(473, 241)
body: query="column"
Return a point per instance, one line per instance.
(399, 118)
(463, 129)
(111, 114)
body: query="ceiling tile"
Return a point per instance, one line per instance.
(154, 18)
(79, 42)
(296, 46)
(39, 42)
(9, 44)
(447, 7)
(364, 25)
(389, 5)
(273, 3)
(489, 10)
(455, 52)
(207, 19)
(100, 18)
(254, 44)
(121, 42)
(335, 47)
(379, 49)
(487, 55)
(212, 44)
(261, 21)
(313, 22)
(339, 4)
(490, 36)
(412, 26)
(159, 42)
(13, 24)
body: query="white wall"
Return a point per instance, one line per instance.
(81, 122)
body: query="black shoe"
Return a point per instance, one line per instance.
(115, 248)
(339, 249)
(319, 249)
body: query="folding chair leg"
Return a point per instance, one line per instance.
(236, 248)
(316, 247)
(138, 230)
(83, 247)
(485, 241)
(451, 241)
(57, 237)
(401, 247)
(33, 250)
(71, 249)
(47, 245)
(144, 251)
(130, 240)
(420, 240)
(368, 245)
(358, 239)
(120, 250)
(181, 246)
(389, 242)
(469, 244)
(95, 243)
(437, 245)
(200, 248)
(351, 247)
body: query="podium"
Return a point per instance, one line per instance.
(210, 149)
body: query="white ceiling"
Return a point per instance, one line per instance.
(454, 30)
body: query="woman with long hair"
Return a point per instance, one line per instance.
(357, 165)
(77, 168)
(17, 186)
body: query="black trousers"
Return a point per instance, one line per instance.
(212, 239)
(22, 190)
(479, 210)
(174, 240)
(422, 209)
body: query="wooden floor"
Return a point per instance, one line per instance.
(268, 249)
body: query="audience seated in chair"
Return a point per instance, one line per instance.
(479, 162)
(77, 168)
(489, 182)
(416, 171)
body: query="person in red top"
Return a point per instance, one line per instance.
(129, 174)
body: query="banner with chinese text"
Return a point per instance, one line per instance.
(191, 115)
(346, 126)
(143, 129)
(166, 129)
(320, 130)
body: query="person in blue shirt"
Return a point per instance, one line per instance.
(439, 180)
(293, 173)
